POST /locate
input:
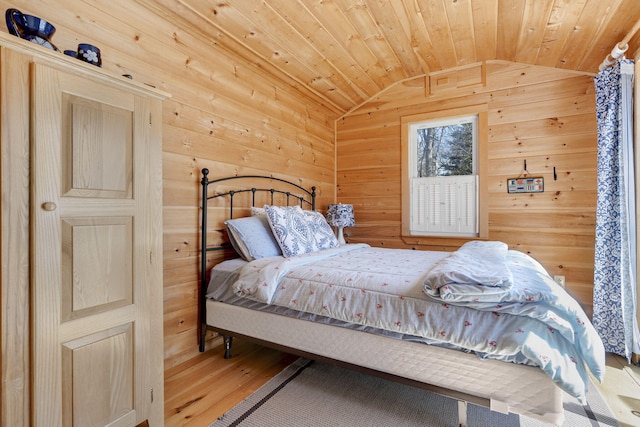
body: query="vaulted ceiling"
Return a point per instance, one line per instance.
(343, 52)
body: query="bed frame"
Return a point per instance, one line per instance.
(457, 375)
(302, 196)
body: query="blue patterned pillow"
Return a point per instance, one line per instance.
(252, 238)
(324, 236)
(299, 232)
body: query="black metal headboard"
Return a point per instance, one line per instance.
(306, 199)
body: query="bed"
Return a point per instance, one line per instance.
(446, 324)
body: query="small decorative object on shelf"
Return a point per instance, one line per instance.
(30, 27)
(340, 215)
(89, 53)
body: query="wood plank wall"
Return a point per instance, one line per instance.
(229, 112)
(542, 115)
(232, 113)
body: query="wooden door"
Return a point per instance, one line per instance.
(96, 253)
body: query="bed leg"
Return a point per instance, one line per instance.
(203, 334)
(228, 340)
(462, 413)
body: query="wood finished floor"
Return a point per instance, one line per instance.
(197, 392)
(200, 390)
(621, 388)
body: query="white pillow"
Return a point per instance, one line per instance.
(258, 212)
(252, 238)
(299, 232)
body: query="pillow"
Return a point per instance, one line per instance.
(324, 236)
(252, 238)
(299, 232)
(258, 212)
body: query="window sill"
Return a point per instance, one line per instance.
(443, 241)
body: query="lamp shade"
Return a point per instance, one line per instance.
(340, 215)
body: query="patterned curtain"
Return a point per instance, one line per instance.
(614, 293)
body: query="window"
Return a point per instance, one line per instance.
(441, 191)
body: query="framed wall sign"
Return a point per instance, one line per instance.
(525, 185)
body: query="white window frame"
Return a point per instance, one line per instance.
(443, 205)
(465, 226)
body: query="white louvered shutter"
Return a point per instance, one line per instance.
(444, 205)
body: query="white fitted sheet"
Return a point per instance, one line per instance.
(510, 387)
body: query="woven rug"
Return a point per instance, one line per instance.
(311, 393)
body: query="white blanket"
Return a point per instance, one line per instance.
(383, 288)
(477, 268)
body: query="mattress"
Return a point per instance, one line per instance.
(504, 387)
(507, 387)
(534, 321)
(225, 274)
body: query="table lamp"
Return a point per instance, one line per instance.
(340, 215)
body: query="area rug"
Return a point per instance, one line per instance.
(311, 393)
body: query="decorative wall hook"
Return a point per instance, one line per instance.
(524, 184)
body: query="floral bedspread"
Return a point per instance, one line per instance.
(384, 288)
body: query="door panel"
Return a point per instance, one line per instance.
(97, 377)
(97, 146)
(91, 252)
(97, 274)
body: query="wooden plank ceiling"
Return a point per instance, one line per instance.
(343, 52)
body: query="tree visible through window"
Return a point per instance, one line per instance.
(445, 150)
